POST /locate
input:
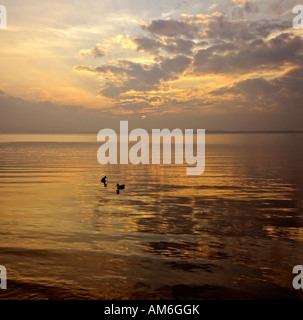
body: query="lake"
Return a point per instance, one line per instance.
(234, 232)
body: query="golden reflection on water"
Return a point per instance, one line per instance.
(237, 228)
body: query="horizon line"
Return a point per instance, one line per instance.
(149, 131)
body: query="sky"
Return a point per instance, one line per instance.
(81, 66)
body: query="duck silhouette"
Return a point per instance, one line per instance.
(103, 180)
(120, 187)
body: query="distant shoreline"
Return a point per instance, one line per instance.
(257, 132)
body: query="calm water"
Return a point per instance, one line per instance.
(235, 232)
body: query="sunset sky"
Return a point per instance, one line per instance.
(80, 66)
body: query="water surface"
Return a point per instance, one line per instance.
(234, 232)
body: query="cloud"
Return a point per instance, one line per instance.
(20, 115)
(280, 7)
(147, 44)
(281, 93)
(250, 56)
(124, 75)
(179, 46)
(242, 8)
(171, 28)
(173, 67)
(170, 45)
(183, 54)
(219, 26)
(96, 52)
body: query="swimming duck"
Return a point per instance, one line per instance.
(120, 187)
(103, 180)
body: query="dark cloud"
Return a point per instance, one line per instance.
(263, 28)
(242, 9)
(179, 46)
(147, 44)
(19, 115)
(175, 66)
(136, 76)
(172, 28)
(170, 45)
(280, 93)
(250, 56)
(219, 26)
(279, 7)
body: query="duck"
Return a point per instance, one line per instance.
(120, 187)
(103, 180)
